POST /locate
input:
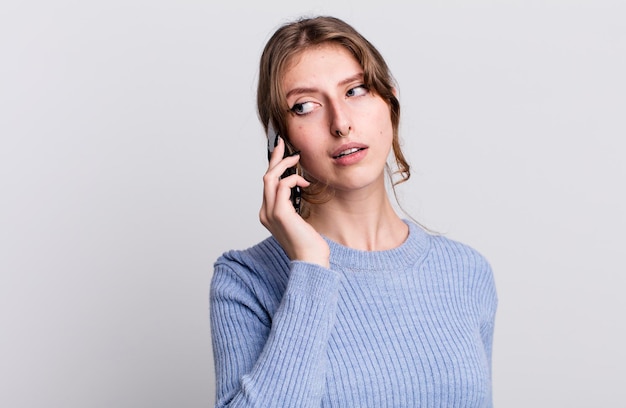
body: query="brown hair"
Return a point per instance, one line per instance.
(295, 37)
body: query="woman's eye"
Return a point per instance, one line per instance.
(357, 91)
(302, 108)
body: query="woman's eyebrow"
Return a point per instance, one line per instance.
(296, 91)
(303, 90)
(353, 78)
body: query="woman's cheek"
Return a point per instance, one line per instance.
(308, 166)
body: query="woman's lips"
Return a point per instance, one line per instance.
(349, 154)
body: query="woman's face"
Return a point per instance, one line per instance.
(325, 92)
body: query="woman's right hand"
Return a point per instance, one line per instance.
(300, 241)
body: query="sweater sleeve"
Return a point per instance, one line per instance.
(490, 302)
(277, 363)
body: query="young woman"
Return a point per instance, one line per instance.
(346, 304)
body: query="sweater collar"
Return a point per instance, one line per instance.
(403, 256)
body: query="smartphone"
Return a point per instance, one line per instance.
(272, 142)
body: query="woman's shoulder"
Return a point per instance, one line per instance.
(263, 261)
(248, 255)
(452, 250)
(465, 265)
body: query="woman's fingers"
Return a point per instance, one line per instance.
(283, 192)
(272, 179)
(277, 190)
(276, 168)
(277, 197)
(277, 153)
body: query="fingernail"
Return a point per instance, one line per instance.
(295, 153)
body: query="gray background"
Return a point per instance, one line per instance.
(131, 157)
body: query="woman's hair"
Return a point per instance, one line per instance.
(294, 38)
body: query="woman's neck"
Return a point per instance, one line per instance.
(367, 221)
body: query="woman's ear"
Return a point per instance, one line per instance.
(394, 90)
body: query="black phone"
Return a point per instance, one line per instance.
(272, 142)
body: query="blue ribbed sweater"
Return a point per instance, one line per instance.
(406, 327)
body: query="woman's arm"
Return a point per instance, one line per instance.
(277, 363)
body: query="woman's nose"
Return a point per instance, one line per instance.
(340, 124)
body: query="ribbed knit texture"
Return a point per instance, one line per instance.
(407, 327)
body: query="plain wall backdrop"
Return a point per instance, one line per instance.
(131, 158)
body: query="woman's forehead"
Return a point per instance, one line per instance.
(311, 51)
(326, 60)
